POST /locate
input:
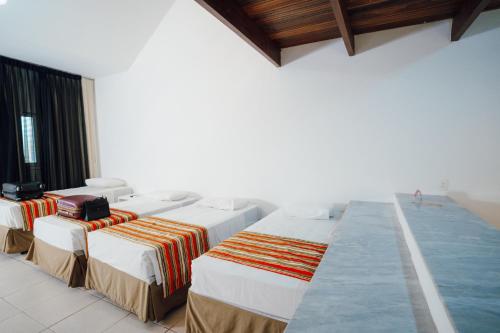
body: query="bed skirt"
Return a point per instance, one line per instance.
(14, 240)
(67, 266)
(206, 315)
(134, 295)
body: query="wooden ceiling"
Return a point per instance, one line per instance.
(270, 25)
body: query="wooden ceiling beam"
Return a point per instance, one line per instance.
(234, 17)
(364, 4)
(344, 24)
(468, 13)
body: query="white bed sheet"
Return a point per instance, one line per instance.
(259, 291)
(111, 193)
(68, 236)
(10, 211)
(140, 261)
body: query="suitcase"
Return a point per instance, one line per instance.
(72, 206)
(96, 209)
(22, 191)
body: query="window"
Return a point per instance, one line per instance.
(29, 143)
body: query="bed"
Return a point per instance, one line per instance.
(227, 296)
(59, 245)
(15, 237)
(130, 275)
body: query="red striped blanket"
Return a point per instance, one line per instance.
(176, 245)
(31, 209)
(286, 256)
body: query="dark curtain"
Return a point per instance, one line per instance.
(50, 104)
(18, 97)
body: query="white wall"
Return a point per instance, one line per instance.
(201, 110)
(91, 37)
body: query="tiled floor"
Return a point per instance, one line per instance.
(32, 301)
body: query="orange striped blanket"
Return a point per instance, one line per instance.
(176, 245)
(31, 209)
(286, 256)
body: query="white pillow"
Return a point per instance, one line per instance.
(168, 195)
(223, 203)
(308, 212)
(105, 182)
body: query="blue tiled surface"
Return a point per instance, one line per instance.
(360, 284)
(463, 254)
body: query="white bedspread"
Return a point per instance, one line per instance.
(259, 291)
(140, 261)
(68, 236)
(10, 212)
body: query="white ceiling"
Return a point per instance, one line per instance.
(88, 37)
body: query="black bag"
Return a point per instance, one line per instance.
(96, 209)
(22, 191)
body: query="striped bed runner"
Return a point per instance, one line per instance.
(31, 209)
(117, 217)
(176, 245)
(286, 256)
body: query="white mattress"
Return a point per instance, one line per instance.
(68, 236)
(140, 261)
(259, 291)
(10, 211)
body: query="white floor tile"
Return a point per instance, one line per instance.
(16, 276)
(7, 310)
(20, 323)
(12, 266)
(57, 308)
(4, 257)
(17, 256)
(32, 301)
(131, 324)
(36, 294)
(93, 319)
